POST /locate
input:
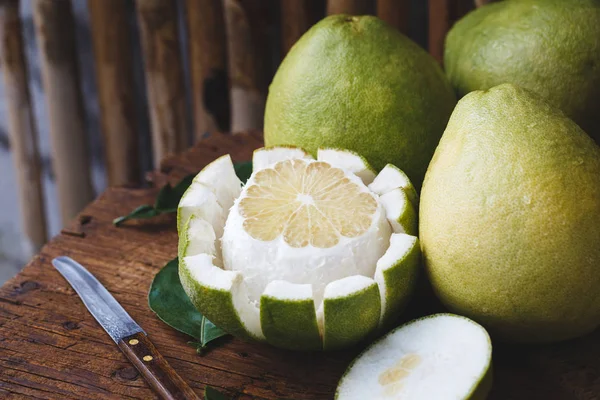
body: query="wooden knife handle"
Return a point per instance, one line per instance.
(161, 377)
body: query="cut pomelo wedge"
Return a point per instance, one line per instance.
(349, 161)
(201, 201)
(197, 237)
(441, 357)
(306, 258)
(400, 212)
(392, 177)
(396, 274)
(220, 177)
(267, 156)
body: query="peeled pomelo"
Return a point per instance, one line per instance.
(510, 218)
(441, 356)
(356, 83)
(306, 258)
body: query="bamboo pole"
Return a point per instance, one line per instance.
(440, 12)
(353, 7)
(164, 76)
(114, 75)
(247, 44)
(208, 59)
(21, 126)
(55, 33)
(395, 13)
(442, 15)
(296, 17)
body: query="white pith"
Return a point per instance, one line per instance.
(395, 203)
(253, 268)
(438, 357)
(390, 178)
(349, 161)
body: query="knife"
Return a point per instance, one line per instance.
(127, 334)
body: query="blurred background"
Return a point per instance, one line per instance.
(95, 92)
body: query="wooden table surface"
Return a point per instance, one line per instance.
(51, 347)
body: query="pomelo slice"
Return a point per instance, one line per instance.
(392, 177)
(396, 274)
(267, 156)
(197, 237)
(201, 201)
(221, 295)
(221, 178)
(440, 357)
(399, 211)
(350, 161)
(351, 311)
(288, 317)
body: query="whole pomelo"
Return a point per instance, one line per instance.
(551, 47)
(510, 217)
(357, 83)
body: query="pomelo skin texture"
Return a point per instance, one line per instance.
(510, 218)
(359, 84)
(551, 47)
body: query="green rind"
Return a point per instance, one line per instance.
(290, 324)
(409, 219)
(482, 389)
(214, 304)
(400, 281)
(350, 319)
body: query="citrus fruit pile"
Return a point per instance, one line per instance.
(309, 254)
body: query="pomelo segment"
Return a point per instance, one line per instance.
(399, 211)
(350, 161)
(442, 356)
(288, 317)
(266, 156)
(197, 237)
(392, 177)
(221, 295)
(396, 274)
(201, 201)
(351, 311)
(221, 178)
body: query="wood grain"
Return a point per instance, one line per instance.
(55, 35)
(21, 126)
(114, 74)
(442, 15)
(51, 347)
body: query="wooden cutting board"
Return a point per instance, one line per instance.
(51, 347)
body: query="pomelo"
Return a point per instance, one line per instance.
(305, 256)
(359, 84)
(550, 47)
(510, 218)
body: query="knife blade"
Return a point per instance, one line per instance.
(129, 336)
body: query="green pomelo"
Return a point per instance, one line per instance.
(510, 217)
(359, 84)
(548, 46)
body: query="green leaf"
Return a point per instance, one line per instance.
(169, 196)
(172, 305)
(142, 212)
(211, 393)
(243, 170)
